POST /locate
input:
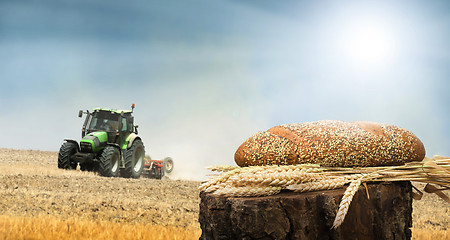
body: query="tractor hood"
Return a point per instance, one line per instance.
(94, 141)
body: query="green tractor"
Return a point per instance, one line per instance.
(109, 145)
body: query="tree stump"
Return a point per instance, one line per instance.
(385, 215)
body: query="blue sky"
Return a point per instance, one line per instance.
(205, 75)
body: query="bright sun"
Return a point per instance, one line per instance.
(367, 45)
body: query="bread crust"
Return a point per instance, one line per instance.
(331, 143)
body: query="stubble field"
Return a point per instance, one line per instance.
(40, 201)
(37, 196)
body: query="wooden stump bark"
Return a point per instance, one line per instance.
(385, 215)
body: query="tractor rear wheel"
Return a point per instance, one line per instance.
(67, 150)
(134, 160)
(109, 162)
(168, 164)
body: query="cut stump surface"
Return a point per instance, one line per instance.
(385, 215)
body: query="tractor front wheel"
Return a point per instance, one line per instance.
(109, 162)
(67, 150)
(134, 160)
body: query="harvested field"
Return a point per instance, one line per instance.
(40, 201)
(32, 186)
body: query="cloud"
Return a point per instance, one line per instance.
(204, 80)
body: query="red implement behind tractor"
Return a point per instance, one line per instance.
(157, 168)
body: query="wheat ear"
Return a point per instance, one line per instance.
(219, 179)
(274, 177)
(345, 202)
(325, 184)
(247, 191)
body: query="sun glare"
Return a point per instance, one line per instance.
(367, 45)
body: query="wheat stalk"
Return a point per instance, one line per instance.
(267, 175)
(221, 168)
(271, 179)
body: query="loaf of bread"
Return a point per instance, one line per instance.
(331, 143)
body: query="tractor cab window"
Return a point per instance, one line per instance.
(104, 121)
(124, 124)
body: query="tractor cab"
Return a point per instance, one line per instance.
(104, 121)
(117, 124)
